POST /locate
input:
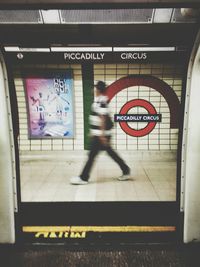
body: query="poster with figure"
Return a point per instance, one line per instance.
(50, 104)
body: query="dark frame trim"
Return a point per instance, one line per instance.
(91, 4)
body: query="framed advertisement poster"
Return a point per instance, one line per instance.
(50, 104)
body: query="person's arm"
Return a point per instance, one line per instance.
(102, 137)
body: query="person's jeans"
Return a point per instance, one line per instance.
(95, 147)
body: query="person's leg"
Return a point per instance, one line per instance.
(123, 166)
(94, 149)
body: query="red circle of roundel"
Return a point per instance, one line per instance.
(138, 103)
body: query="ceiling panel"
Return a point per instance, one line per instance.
(96, 16)
(178, 17)
(20, 16)
(107, 16)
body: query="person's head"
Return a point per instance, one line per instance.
(100, 87)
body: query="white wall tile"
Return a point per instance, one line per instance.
(109, 73)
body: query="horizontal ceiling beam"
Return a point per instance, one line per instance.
(19, 4)
(106, 35)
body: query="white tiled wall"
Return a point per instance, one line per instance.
(77, 143)
(162, 137)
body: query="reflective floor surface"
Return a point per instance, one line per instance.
(45, 176)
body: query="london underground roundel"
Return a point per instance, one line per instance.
(152, 117)
(138, 103)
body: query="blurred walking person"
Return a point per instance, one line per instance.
(100, 134)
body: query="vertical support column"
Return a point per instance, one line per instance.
(7, 175)
(88, 95)
(191, 156)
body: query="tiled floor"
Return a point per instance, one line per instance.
(45, 177)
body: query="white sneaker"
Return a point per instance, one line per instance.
(124, 177)
(77, 180)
